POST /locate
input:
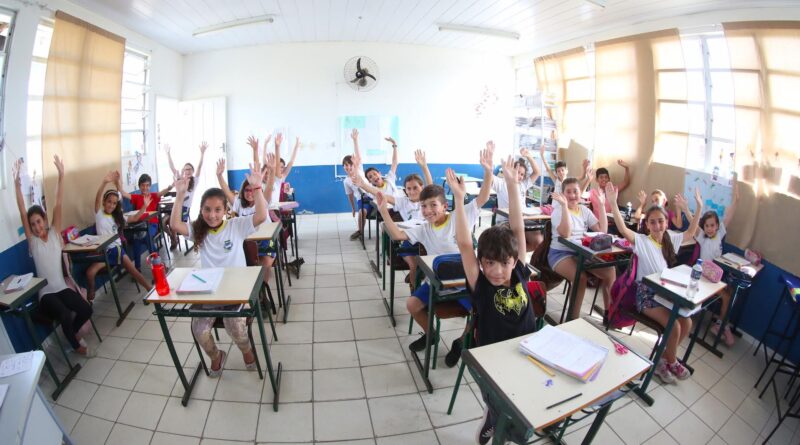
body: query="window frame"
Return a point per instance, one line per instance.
(3, 81)
(144, 110)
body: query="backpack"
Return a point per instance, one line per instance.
(449, 267)
(623, 298)
(537, 293)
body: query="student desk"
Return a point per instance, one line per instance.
(142, 226)
(269, 231)
(390, 249)
(17, 304)
(740, 281)
(289, 218)
(666, 294)
(517, 388)
(27, 417)
(239, 286)
(101, 247)
(532, 222)
(589, 259)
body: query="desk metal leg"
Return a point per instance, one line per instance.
(383, 260)
(429, 338)
(712, 347)
(187, 385)
(596, 424)
(390, 304)
(286, 300)
(122, 314)
(375, 265)
(60, 384)
(641, 391)
(274, 380)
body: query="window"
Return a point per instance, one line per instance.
(135, 92)
(6, 28)
(32, 187)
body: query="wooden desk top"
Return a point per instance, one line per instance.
(677, 294)
(102, 242)
(580, 249)
(17, 404)
(237, 287)
(539, 217)
(14, 299)
(265, 232)
(731, 267)
(523, 383)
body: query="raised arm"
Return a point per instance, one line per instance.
(396, 232)
(175, 222)
(611, 196)
(681, 208)
(534, 168)
(734, 202)
(277, 161)
(550, 171)
(356, 149)
(602, 218)
(98, 198)
(289, 166)
(486, 185)
(164, 191)
(587, 179)
(142, 210)
(171, 164)
(463, 236)
(118, 185)
(56, 221)
(564, 227)
(419, 156)
(253, 143)
(223, 184)
(269, 171)
(515, 208)
(394, 154)
(642, 196)
(23, 214)
(203, 147)
(255, 179)
(626, 180)
(360, 181)
(689, 234)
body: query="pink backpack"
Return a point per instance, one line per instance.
(623, 298)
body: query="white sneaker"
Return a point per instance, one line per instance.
(663, 373)
(679, 371)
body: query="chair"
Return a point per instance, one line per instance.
(265, 297)
(218, 323)
(787, 336)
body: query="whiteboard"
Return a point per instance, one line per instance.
(371, 133)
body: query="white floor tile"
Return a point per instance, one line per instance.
(420, 438)
(380, 351)
(292, 423)
(633, 432)
(184, 420)
(293, 357)
(295, 387)
(386, 380)
(332, 311)
(711, 411)
(142, 410)
(336, 330)
(107, 403)
(157, 380)
(398, 415)
(232, 421)
(77, 395)
(344, 420)
(129, 435)
(338, 384)
(371, 328)
(737, 432)
(95, 370)
(335, 355)
(689, 429)
(239, 386)
(91, 429)
(140, 351)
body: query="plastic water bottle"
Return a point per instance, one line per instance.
(159, 274)
(697, 272)
(628, 211)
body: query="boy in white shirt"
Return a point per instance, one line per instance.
(524, 182)
(437, 234)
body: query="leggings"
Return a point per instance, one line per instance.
(60, 305)
(236, 328)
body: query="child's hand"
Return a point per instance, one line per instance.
(16, 171)
(391, 141)
(252, 141)
(296, 142)
(680, 202)
(278, 139)
(254, 177)
(117, 176)
(354, 135)
(698, 198)
(524, 152)
(487, 155)
(146, 201)
(166, 148)
(270, 160)
(642, 197)
(508, 166)
(541, 150)
(590, 174)
(586, 166)
(203, 147)
(419, 156)
(221, 166)
(59, 166)
(382, 202)
(109, 177)
(622, 164)
(560, 198)
(611, 194)
(456, 185)
(181, 185)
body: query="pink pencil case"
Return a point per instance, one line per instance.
(712, 272)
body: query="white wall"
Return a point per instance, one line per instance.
(433, 91)
(165, 79)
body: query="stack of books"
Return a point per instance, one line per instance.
(565, 352)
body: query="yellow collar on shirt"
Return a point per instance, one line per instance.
(576, 212)
(218, 229)
(446, 220)
(650, 237)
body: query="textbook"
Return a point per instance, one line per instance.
(531, 211)
(18, 282)
(679, 276)
(201, 281)
(736, 259)
(566, 352)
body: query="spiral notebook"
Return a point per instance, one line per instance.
(566, 352)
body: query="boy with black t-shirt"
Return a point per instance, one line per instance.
(497, 278)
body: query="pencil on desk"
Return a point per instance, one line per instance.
(541, 366)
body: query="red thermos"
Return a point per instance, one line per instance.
(159, 274)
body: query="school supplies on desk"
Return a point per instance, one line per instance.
(85, 240)
(735, 259)
(201, 281)
(531, 211)
(17, 282)
(679, 276)
(410, 224)
(15, 364)
(565, 352)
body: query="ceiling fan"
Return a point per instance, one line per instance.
(361, 73)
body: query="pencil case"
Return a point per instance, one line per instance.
(597, 242)
(753, 256)
(712, 272)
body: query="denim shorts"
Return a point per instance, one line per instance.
(424, 293)
(555, 256)
(267, 248)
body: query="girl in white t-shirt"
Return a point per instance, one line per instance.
(571, 220)
(108, 219)
(524, 181)
(709, 238)
(220, 243)
(56, 300)
(193, 176)
(656, 252)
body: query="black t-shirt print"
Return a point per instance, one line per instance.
(503, 312)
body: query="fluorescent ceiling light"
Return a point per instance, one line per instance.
(233, 24)
(600, 3)
(478, 30)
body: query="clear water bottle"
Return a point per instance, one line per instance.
(697, 272)
(628, 212)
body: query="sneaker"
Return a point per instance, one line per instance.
(727, 335)
(418, 344)
(663, 373)
(714, 328)
(454, 354)
(486, 431)
(355, 235)
(679, 371)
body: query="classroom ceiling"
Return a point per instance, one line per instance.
(540, 23)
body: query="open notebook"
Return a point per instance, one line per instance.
(85, 240)
(566, 352)
(201, 281)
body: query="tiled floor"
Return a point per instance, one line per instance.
(348, 377)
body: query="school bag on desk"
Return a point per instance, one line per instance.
(449, 267)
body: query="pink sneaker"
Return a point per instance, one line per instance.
(727, 335)
(678, 370)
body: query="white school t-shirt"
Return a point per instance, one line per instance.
(187, 200)
(389, 186)
(442, 240)
(648, 253)
(104, 224)
(276, 191)
(223, 246)
(499, 186)
(243, 211)
(351, 189)
(580, 222)
(558, 186)
(407, 208)
(47, 259)
(711, 248)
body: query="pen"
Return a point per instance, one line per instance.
(565, 400)
(541, 366)
(204, 281)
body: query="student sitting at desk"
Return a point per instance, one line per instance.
(407, 206)
(603, 177)
(656, 252)
(138, 203)
(56, 300)
(438, 235)
(570, 219)
(193, 177)
(219, 242)
(558, 174)
(497, 279)
(108, 219)
(523, 181)
(677, 220)
(709, 239)
(354, 195)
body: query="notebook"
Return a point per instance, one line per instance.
(736, 259)
(85, 240)
(410, 223)
(18, 282)
(201, 281)
(566, 352)
(679, 276)
(531, 211)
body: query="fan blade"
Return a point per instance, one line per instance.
(362, 82)
(370, 75)
(358, 64)
(355, 80)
